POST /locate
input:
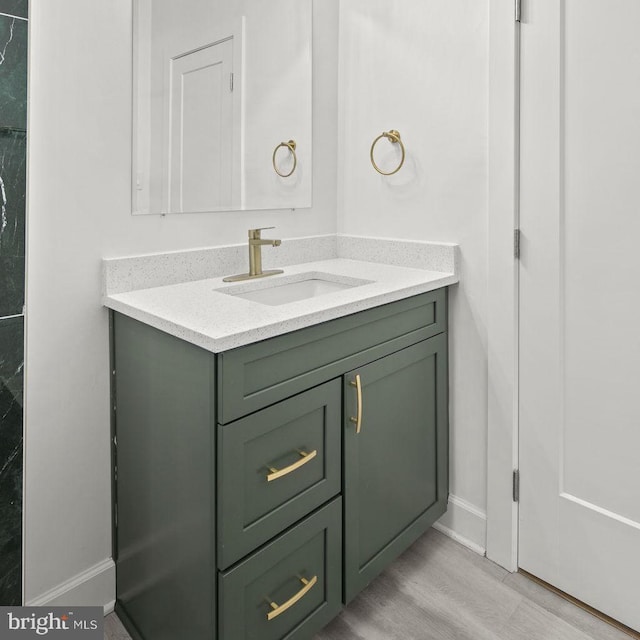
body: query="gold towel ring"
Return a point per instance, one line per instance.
(394, 137)
(291, 145)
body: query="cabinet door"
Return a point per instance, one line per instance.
(396, 466)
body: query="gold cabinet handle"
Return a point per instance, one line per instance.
(278, 473)
(358, 419)
(278, 609)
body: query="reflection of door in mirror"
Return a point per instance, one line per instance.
(200, 148)
(217, 86)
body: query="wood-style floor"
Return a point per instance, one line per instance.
(439, 590)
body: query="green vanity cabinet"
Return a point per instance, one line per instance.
(259, 489)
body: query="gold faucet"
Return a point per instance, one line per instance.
(256, 243)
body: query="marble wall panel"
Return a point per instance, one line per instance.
(11, 439)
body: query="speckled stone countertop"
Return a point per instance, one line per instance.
(200, 313)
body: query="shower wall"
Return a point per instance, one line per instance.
(13, 136)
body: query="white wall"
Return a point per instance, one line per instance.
(422, 68)
(79, 212)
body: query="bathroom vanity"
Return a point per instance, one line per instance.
(261, 487)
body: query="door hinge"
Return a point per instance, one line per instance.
(518, 10)
(231, 82)
(516, 243)
(516, 485)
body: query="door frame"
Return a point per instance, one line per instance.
(503, 286)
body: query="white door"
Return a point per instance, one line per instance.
(201, 154)
(580, 301)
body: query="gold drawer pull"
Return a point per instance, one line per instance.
(358, 419)
(278, 609)
(278, 473)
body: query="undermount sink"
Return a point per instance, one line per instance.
(277, 292)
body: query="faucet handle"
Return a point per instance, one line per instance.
(255, 233)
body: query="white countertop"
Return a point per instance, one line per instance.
(196, 312)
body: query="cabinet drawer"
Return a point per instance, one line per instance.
(289, 589)
(276, 466)
(260, 374)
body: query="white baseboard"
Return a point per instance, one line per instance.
(465, 523)
(93, 587)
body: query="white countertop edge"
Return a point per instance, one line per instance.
(233, 340)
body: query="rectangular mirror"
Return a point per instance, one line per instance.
(222, 105)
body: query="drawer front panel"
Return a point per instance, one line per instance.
(260, 374)
(276, 466)
(289, 589)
